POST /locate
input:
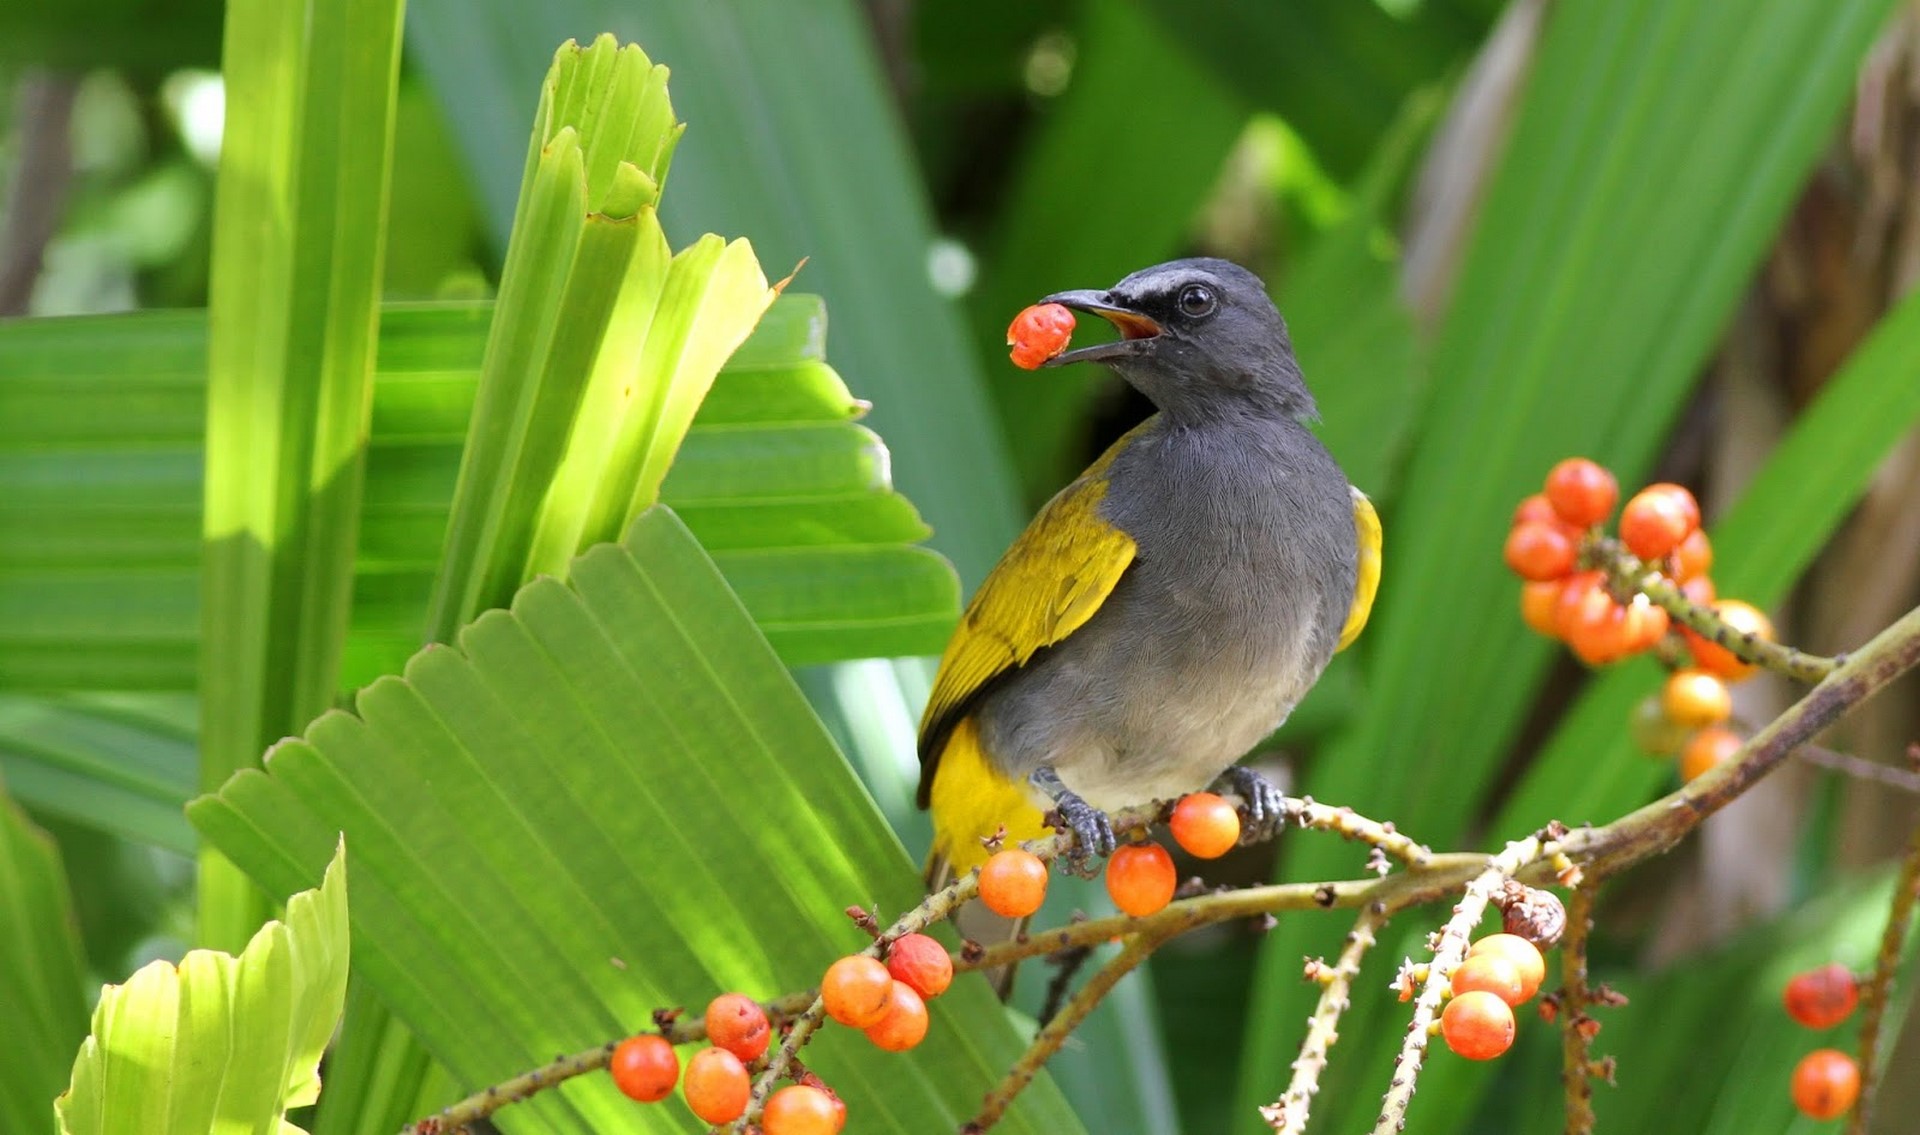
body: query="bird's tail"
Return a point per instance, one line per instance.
(976, 923)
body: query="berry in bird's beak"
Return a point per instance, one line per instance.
(1136, 329)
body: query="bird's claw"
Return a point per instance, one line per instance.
(1266, 804)
(1092, 829)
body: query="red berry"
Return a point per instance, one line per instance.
(1707, 749)
(922, 963)
(1039, 333)
(1477, 1025)
(799, 1110)
(856, 990)
(1657, 519)
(1522, 953)
(1494, 973)
(738, 1024)
(1825, 1083)
(716, 1086)
(1696, 699)
(1822, 998)
(1205, 825)
(905, 1023)
(1535, 507)
(1140, 878)
(1742, 618)
(1582, 492)
(645, 1067)
(1013, 883)
(1539, 551)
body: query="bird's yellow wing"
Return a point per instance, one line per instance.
(1050, 582)
(1366, 526)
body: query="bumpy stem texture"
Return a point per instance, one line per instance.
(1879, 987)
(1288, 1114)
(1576, 1064)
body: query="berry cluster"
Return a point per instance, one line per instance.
(1039, 333)
(1556, 545)
(1141, 878)
(1826, 1082)
(886, 1000)
(1501, 972)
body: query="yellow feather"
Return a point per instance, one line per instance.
(972, 801)
(1050, 582)
(1366, 525)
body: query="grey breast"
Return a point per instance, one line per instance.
(1242, 578)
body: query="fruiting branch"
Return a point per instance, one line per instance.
(1628, 574)
(1288, 1114)
(1874, 995)
(677, 1028)
(1448, 952)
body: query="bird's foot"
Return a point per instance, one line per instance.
(1266, 804)
(1092, 829)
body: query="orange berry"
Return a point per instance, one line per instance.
(1706, 749)
(922, 963)
(1824, 997)
(1494, 973)
(1140, 878)
(798, 1109)
(1205, 825)
(1593, 625)
(716, 1086)
(737, 1023)
(1742, 618)
(1535, 507)
(1523, 954)
(1825, 1083)
(905, 1023)
(1477, 1025)
(1695, 699)
(1537, 550)
(1656, 520)
(1698, 590)
(1538, 598)
(1581, 492)
(1694, 557)
(1646, 624)
(856, 990)
(1013, 883)
(645, 1067)
(1039, 333)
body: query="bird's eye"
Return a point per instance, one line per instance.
(1196, 300)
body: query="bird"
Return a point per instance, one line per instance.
(1168, 608)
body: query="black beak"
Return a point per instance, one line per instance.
(1136, 330)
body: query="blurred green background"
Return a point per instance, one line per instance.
(1673, 235)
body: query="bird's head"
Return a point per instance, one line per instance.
(1199, 337)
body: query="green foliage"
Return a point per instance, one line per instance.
(40, 974)
(607, 799)
(299, 236)
(219, 1043)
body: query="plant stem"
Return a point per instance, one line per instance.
(1873, 998)
(1054, 1034)
(1576, 1058)
(1288, 1114)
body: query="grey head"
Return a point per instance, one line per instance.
(1198, 337)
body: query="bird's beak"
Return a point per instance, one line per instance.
(1136, 330)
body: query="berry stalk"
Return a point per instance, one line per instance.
(1287, 1115)
(1906, 889)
